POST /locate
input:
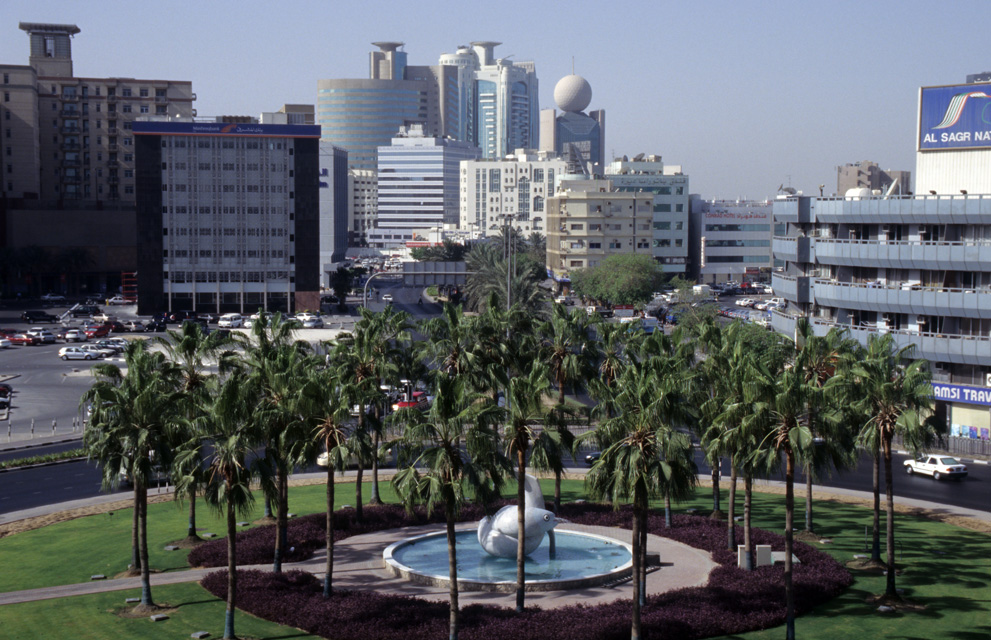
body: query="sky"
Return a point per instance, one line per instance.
(744, 95)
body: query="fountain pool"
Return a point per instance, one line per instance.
(581, 560)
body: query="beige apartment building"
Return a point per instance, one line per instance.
(68, 138)
(588, 220)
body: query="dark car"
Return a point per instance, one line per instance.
(179, 316)
(592, 458)
(206, 317)
(38, 316)
(84, 311)
(156, 325)
(116, 327)
(6, 391)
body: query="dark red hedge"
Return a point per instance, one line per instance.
(734, 601)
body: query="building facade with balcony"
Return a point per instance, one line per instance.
(70, 138)
(916, 267)
(588, 220)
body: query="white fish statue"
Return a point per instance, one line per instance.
(499, 534)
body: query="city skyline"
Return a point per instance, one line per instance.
(745, 96)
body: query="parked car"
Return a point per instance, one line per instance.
(157, 326)
(592, 458)
(179, 316)
(98, 352)
(107, 344)
(5, 343)
(45, 335)
(313, 323)
(206, 317)
(303, 316)
(6, 393)
(75, 353)
(936, 466)
(75, 335)
(387, 297)
(745, 302)
(97, 331)
(52, 297)
(230, 321)
(134, 325)
(84, 311)
(104, 318)
(116, 300)
(38, 316)
(120, 342)
(24, 339)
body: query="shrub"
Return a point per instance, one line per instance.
(734, 601)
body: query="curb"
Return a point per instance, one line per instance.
(41, 464)
(33, 444)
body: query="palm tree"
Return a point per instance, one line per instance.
(189, 348)
(391, 329)
(229, 419)
(129, 431)
(781, 400)
(833, 445)
(325, 406)
(458, 417)
(525, 413)
(277, 369)
(898, 396)
(452, 343)
(652, 402)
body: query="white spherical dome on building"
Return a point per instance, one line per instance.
(572, 93)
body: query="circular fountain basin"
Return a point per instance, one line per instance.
(580, 560)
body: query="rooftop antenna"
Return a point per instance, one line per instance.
(572, 65)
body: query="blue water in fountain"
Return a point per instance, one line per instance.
(577, 556)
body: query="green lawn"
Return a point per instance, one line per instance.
(93, 618)
(944, 567)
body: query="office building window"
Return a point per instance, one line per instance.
(126, 108)
(144, 109)
(126, 92)
(144, 93)
(6, 97)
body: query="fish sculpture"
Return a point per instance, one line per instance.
(499, 534)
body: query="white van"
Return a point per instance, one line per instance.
(230, 321)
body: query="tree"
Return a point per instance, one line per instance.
(188, 349)
(622, 278)
(652, 402)
(276, 368)
(441, 472)
(448, 251)
(341, 282)
(897, 394)
(129, 431)
(525, 413)
(231, 422)
(491, 273)
(780, 400)
(328, 411)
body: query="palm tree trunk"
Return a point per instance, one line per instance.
(643, 559)
(452, 568)
(889, 491)
(521, 528)
(876, 533)
(191, 528)
(635, 628)
(281, 511)
(375, 499)
(731, 514)
(667, 509)
(808, 499)
(748, 543)
(789, 529)
(716, 510)
(143, 543)
(268, 507)
(328, 579)
(231, 570)
(359, 512)
(135, 515)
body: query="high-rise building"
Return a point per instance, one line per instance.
(507, 108)
(668, 186)
(419, 180)
(868, 175)
(334, 202)
(588, 220)
(917, 268)
(513, 191)
(362, 115)
(69, 138)
(362, 205)
(730, 240)
(228, 216)
(575, 136)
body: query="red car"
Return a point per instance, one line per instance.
(98, 331)
(23, 338)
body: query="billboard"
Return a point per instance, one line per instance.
(183, 128)
(955, 117)
(960, 393)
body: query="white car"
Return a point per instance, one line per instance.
(4, 343)
(313, 322)
(745, 302)
(230, 321)
(304, 316)
(98, 352)
(104, 318)
(75, 353)
(40, 332)
(76, 335)
(937, 466)
(116, 300)
(386, 297)
(53, 297)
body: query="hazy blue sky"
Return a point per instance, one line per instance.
(744, 95)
